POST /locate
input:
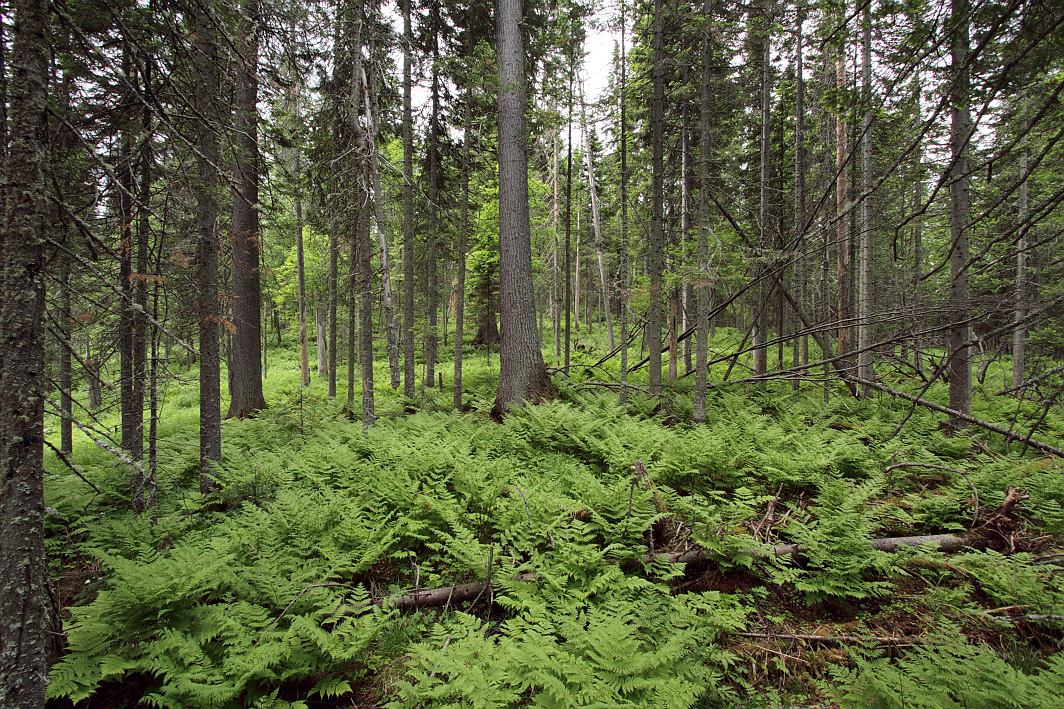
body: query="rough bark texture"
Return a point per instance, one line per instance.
(624, 216)
(759, 333)
(246, 392)
(1020, 311)
(365, 316)
(522, 373)
(408, 210)
(842, 222)
(207, 89)
(702, 285)
(656, 247)
(960, 369)
(864, 327)
(25, 609)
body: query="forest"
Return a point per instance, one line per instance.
(555, 353)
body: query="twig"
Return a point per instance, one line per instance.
(73, 468)
(903, 641)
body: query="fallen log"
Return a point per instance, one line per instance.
(467, 592)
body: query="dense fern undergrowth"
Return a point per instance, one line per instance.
(262, 594)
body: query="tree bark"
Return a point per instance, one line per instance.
(960, 369)
(390, 329)
(864, 326)
(408, 210)
(365, 316)
(205, 93)
(463, 239)
(704, 163)
(842, 221)
(657, 211)
(26, 616)
(522, 373)
(245, 396)
(623, 306)
(1019, 335)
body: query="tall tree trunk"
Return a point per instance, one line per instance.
(522, 373)
(685, 233)
(656, 247)
(27, 618)
(569, 231)
(1019, 334)
(408, 210)
(556, 282)
(960, 371)
(760, 325)
(842, 220)
(463, 238)
(918, 228)
(140, 299)
(365, 316)
(206, 90)
(702, 284)
(301, 276)
(431, 285)
(390, 329)
(800, 240)
(245, 396)
(127, 316)
(623, 307)
(864, 332)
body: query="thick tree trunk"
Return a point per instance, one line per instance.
(960, 369)
(245, 396)
(656, 246)
(408, 209)
(26, 616)
(522, 373)
(864, 327)
(206, 93)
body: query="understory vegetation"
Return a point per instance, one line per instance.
(279, 587)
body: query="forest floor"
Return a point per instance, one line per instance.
(541, 551)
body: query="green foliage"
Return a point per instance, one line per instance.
(948, 674)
